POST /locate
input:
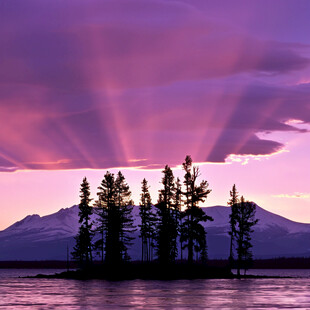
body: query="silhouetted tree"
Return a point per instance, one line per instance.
(112, 219)
(167, 231)
(147, 227)
(105, 202)
(203, 249)
(116, 219)
(83, 248)
(193, 215)
(232, 220)
(245, 220)
(177, 212)
(125, 206)
(99, 242)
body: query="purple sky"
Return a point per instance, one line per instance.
(136, 83)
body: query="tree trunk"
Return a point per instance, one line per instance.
(102, 249)
(142, 250)
(231, 251)
(190, 241)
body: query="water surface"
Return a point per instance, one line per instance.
(19, 293)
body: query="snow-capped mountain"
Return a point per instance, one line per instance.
(47, 237)
(274, 235)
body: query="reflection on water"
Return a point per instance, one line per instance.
(297, 273)
(95, 294)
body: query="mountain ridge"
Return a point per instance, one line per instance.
(47, 237)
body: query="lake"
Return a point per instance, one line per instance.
(18, 293)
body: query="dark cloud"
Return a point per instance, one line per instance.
(114, 44)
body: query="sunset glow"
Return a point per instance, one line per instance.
(97, 85)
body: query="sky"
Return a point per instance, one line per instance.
(133, 85)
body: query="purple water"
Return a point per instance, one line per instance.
(18, 293)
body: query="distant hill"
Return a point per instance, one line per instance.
(47, 237)
(274, 235)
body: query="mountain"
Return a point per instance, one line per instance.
(274, 235)
(47, 237)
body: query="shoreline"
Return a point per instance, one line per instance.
(270, 263)
(151, 271)
(233, 277)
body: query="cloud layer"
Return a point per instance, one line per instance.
(133, 83)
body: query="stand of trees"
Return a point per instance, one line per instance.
(241, 220)
(115, 220)
(173, 224)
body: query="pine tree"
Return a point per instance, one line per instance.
(100, 224)
(117, 219)
(124, 206)
(232, 220)
(177, 212)
(147, 228)
(245, 220)
(167, 232)
(203, 249)
(106, 197)
(112, 219)
(193, 215)
(83, 248)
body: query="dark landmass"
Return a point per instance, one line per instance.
(145, 271)
(273, 263)
(150, 271)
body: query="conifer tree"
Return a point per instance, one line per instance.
(99, 243)
(116, 217)
(106, 201)
(245, 220)
(147, 228)
(192, 230)
(177, 212)
(111, 219)
(124, 206)
(167, 232)
(143, 216)
(83, 248)
(232, 219)
(202, 242)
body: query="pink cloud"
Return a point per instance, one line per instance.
(96, 85)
